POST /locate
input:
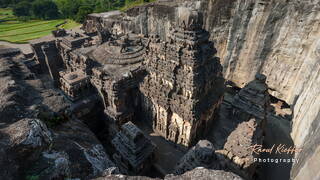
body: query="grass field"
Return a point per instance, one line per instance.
(15, 31)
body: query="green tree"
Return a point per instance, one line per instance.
(82, 13)
(45, 9)
(23, 8)
(102, 5)
(4, 3)
(68, 8)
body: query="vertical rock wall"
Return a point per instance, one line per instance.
(281, 40)
(277, 38)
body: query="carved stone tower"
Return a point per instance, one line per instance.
(185, 83)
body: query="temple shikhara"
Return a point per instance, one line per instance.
(183, 81)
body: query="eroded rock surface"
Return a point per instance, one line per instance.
(201, 155)
(198, 173)
(21, 142)
(31, 149)
(75, 152)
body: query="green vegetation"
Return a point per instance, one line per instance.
(5, 14)
(43, 9)
(18, 31)
(130, 4)
(66, 9)
(24, 20)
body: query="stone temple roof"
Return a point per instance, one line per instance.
(254, 97)
(74, 77)
(132, 131)
(133, 145)
(123, 51)
(121, 72)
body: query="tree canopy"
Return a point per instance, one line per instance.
(22, 9)
(74, 9)
(45, 9)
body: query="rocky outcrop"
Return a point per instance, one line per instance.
(28, 147)
(74, 153)
(21, 142)
(198, 173)
(201, 155)
(22, 92)
(202, 174)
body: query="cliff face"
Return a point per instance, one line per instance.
(278, 38)
(281, 40)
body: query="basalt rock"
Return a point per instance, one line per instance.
(198, 173)
(201, 155)
(21, 143)
(31, 149)
(71, 155)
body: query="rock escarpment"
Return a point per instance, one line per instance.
(20, 142)
(281, 40)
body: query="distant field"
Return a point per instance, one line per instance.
(15, 31)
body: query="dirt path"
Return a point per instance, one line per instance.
(25, 48)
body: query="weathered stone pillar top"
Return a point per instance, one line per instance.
(261, 77)
(189, 18)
